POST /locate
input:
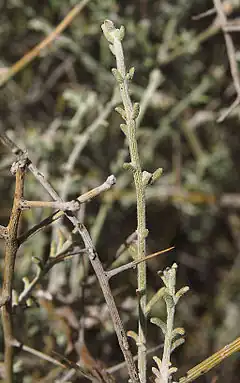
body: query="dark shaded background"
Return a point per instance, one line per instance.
(53, 100)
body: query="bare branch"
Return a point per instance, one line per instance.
(231, 57)
(227, 8)
(71, 206)
(38, 227)
(37, 353)
(86, 197)
(133, 264)
(33, 53)
(95, 261)
(11, 247)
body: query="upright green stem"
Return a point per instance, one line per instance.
(113, 35)
(166, 359)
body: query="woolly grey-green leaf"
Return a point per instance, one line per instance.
(146, 177)
(124, 128)
(136, 110)
(122, 112)
(177, 343)
(129, 166)
(181, 292)
(117, 75)
(158, 322)
(108, 28)
(130, 74)
(178, 331)
(158, 295)
(133, 335)
(121, 33)
(156, 175)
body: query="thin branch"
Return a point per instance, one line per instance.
(37, 353)
(171, 297)
(227, 8)
(81, 143)
(35, 52)
(180, 50)
(209, 12)
(232, 27)
(71, 205)
(128, 242)
(155, 80)
(11, 247)
(86, 197)
(130, 114)
(121, 365)
(133, 264)
(113, 369)
(42, 271)
(231, 58)
(67, 363)
(95, 261)
(38, 227)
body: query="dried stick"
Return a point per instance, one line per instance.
(11, 247)
(38, 227)
(130, 265)
(211, 362)
(78, 369)
(33, 53)
(231, 58)
(94, 259)
(85, 197)
(71, 205)
(37, 353)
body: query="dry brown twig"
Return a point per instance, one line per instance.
(11, 248)
(130, 265)
(231, 57)
(211, 362)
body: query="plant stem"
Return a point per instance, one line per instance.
(11, 247)
(140, 191)
(166, 359)
(211, 362)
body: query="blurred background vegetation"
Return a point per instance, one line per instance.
(51, 107)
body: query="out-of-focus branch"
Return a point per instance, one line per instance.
(231, 57)
(227, 8)
(33, 53)
(212, 30)
(81, 142)
(81, 371)
(180, 195)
